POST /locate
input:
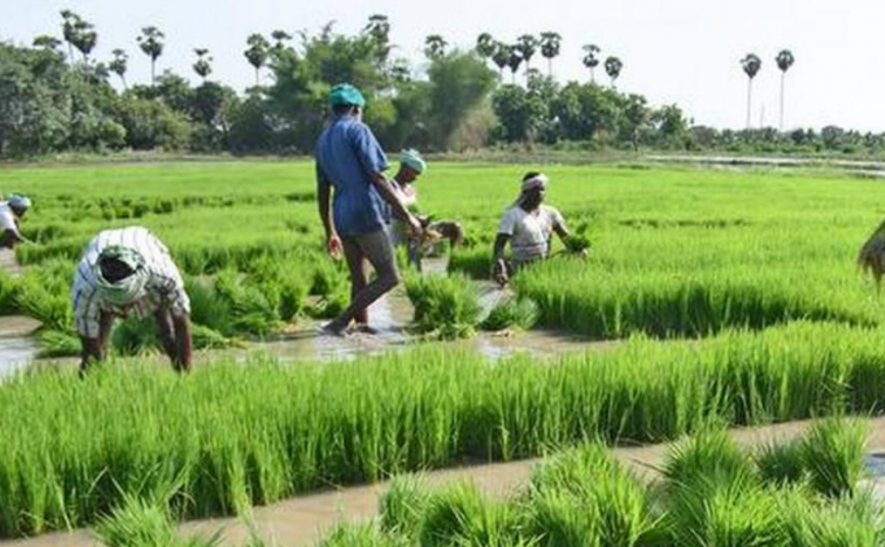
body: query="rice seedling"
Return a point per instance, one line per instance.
(446, 306)
(55, 343)
(361, 535)
(710, 456)
(854, 521)
(833, 453)
(461, 515)
(781, 464)
(403, 505)
(512, 313)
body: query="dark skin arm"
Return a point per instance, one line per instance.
(175, 336)
(94, 350)
(500, 267)
(11, 238)
(324, 204)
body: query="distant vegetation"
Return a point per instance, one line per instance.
(57, 97)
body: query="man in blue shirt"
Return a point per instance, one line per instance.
(350, 160)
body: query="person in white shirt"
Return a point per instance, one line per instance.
(129, 272)
(529, 226)
(12, 212)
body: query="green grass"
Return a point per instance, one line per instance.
(712, 495)
(233, 435)
(445, 306)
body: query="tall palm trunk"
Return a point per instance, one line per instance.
(257, 78)
(153, 72)
(749, 101)
(550, 66)
(783, 78)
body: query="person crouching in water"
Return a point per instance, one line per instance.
(11, 214)
(412, 166)
(528, 225)
(129, 272)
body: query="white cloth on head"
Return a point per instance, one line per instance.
(17, 201)
(530, 233)
(163, 288)
(538, 181)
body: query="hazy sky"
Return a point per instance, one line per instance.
(677, 51)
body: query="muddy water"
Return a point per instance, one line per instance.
(390, 316)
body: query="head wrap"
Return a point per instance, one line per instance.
(19, 202)
(538, 181)
(127, 290)
(413, 159)
(346, 95)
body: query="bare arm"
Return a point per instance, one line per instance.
(11, 238)
(94, 350)
(324, 202)
(499, 266)
(399, 210)
(561, 231)
(183, 343)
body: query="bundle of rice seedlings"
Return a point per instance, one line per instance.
(512, 313)
(708, 455)
(583, 497)
(475, 262)
(724, 513)
(577, 244)
(361, 535)
(55, 343)
(833, 454)
(402, 506)
(140, 523)
(460, 515)
(445, 305)
(872, 255)
(855, 521)
(133, 336)
(780, 464)
(207, 307)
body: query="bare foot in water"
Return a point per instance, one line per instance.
(366, 329)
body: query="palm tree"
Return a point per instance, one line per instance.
(47, 42)
(751, 64)
(513, 61)
(85, 38)
(501, 57)
(119, 65)
(151, 43)
(527, 46)
(378, 29)
(591, 59)
(257, 54)
(550, 45)
(784, 61)
(280, 37)
(435, 46)
(485, 45)
(613, 67)
(203, 66)
(69, 30)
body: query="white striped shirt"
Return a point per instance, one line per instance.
(164, 287)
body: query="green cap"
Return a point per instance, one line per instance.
(346, 95)
(413, 159)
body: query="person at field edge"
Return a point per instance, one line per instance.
(12, 212)
(528, 225)
(412, 165)
(126, 272)
(350, 160)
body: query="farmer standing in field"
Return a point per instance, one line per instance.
(350, 160)
(412, 165)
(12, 212)
(129, 271)
(528, 225)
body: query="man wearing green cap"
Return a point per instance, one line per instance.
(350, 160)
(129, 272)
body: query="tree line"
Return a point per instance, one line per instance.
(55, 97)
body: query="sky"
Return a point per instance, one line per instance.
(675, 51)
